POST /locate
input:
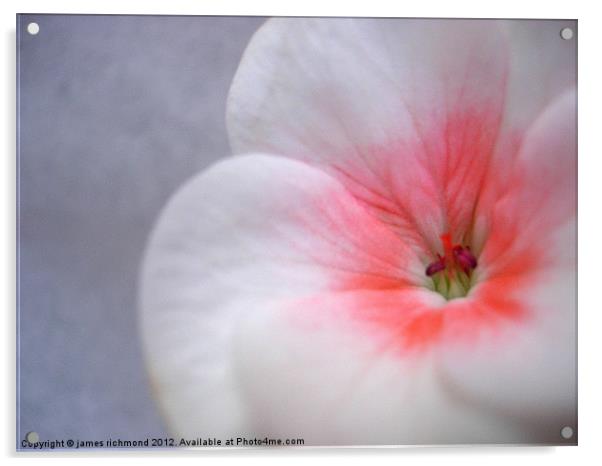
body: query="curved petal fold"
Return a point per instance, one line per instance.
(250, 235)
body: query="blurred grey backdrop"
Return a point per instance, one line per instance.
(115, 113)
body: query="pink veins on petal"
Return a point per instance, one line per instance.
(400, 205)
(446, 223)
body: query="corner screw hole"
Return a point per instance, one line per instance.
(566, 432)
(33, 28)
(566, 33)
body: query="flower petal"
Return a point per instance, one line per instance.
(333, 384)
(274, 304)
(526, 368)
(405, 112)
(251, 235)
(520, 215)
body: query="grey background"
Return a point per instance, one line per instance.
(114, 113)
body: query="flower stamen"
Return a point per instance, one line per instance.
(436, 266)
(457, 263)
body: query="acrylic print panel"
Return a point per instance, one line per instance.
(240, 231)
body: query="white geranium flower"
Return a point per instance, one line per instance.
(392, 260)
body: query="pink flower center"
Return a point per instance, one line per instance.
(452, 272)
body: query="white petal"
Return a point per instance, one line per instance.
(404, 112)
(252, 286)
(324, 87)
(250, 235)
(541, 192)
(333, 385)
(526, 368)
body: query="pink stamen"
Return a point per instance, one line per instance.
(465, 258)
(436, 266)
(456, 256)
